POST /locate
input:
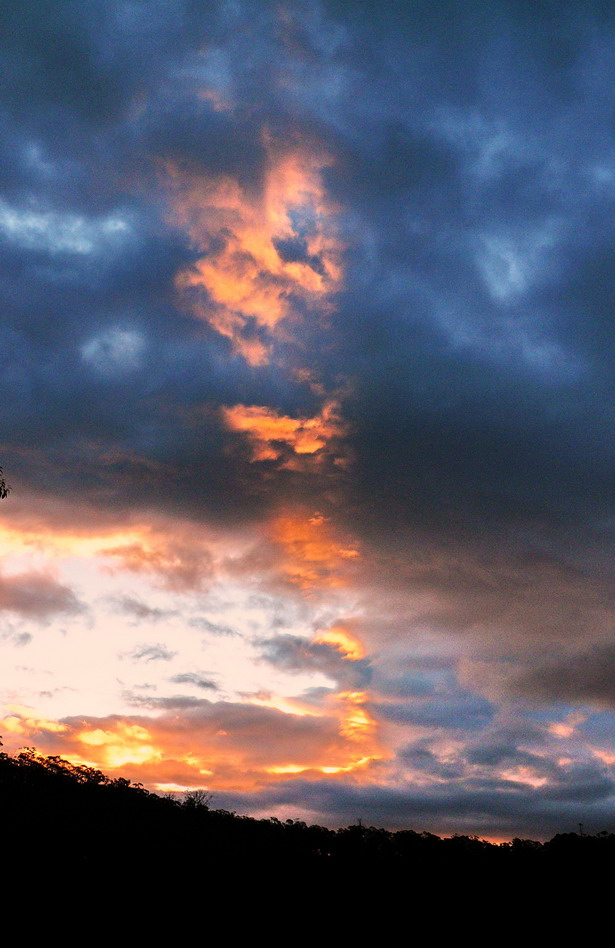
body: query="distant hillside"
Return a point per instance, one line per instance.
(69, 822)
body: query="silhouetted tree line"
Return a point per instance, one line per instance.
(72, 822)
(4, 487)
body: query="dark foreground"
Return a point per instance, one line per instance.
(70, 828)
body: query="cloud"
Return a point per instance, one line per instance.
(150, 653)
(462, 710)
(314, 554)
(181, 564)
(140, 610)
(191, 678)
(446, 806)
(116, 350)
(219, 744)
(585, 675)
(270, 433)
(352, 315)
(35, 229)
(213, 628)
(248, 283)
(38, 596)
(296, 654)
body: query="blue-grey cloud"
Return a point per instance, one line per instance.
(150, 653)
(140, 611)
(460, 710)
(295, 654)
(192, 678)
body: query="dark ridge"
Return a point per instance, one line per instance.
(75, 823)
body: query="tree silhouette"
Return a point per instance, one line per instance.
(4, 487)
(197, 799)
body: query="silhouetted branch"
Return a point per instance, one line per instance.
(4, 487)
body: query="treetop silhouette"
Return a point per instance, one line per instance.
(4, 487)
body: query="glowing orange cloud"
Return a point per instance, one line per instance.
(343, 640)
(220, 746)
(120, 745)
(270, 432)
(175, 553)
(315, 556)
(23, 722)
(262, 250)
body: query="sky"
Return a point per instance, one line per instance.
(306, 368)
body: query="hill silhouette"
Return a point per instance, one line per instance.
(75, 822)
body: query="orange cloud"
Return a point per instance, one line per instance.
(175, 552)
(120, 744)
(270, 432)
(262, 250)
(179, 563)
(24, 722)
(343, 640)
(218, 745)
(315, 555)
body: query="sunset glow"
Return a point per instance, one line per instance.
(306, 370)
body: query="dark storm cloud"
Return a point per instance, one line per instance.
(295, 250)
(586, 675)
(503, 744)
(501, 588)
(407, 675)
(478, 386)
(97, 353)
(420, 757)
(481, 203)
(37, 596)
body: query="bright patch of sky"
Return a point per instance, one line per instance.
(56, 232)
(115, 655)
(511, 263)
(114, 351)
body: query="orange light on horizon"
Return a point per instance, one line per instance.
(359, 764)
(159, 752)
(126, 743)
(25, 721)
(282, 769)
